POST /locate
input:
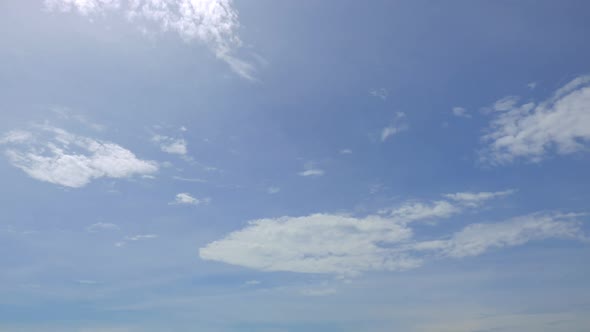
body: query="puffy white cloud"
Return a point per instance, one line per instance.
(319, 243)
(171, 145)
(187, 199)
(530, 131)
(212, 22)
(70, 160)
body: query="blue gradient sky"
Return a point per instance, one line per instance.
(294, 166)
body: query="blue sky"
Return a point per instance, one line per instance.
(218, 165)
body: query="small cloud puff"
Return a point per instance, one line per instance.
(187, 199)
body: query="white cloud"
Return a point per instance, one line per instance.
(252, 283)
(476, 239)
(505, 104)
(319, 243)
(460, 112)
(273, 190)
(413, 211)
(141, 237)
(318, 291)
(187, 199)
(395, 128)
(311, 170)
(171, 145)
(345, 151)
(530, 131)
(212, 22)
(56, 156)
(532, 85)
(346, 245)
(475, 199)
(102, 226)
(16, 136)
(379, 93)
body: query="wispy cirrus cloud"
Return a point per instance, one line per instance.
(311, 170)
(531, 131)
(397, 126)
(212, 22)
(54, 155)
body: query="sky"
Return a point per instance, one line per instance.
(287, 166)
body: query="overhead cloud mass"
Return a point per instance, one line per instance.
(347, 245)
(57, 156)
(531, 131)
(212, 22)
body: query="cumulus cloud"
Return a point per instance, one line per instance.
(531, 131)
(57, 156)
(187, 199)
(344, 245)
(212, 22)
(171, 145)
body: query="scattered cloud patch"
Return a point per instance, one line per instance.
(345, 151)
(381, 93)
(187, 199)
(530, 131)
(475, 199)
(57, 156)
(345, 245)
(311, 170)
(460, 112)
(141, 237)
(171, 145)
(395, 128)
(476, 239)
(212, 22)
(532, 85)
(102, 226)
(180, 178)
(273, 190)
